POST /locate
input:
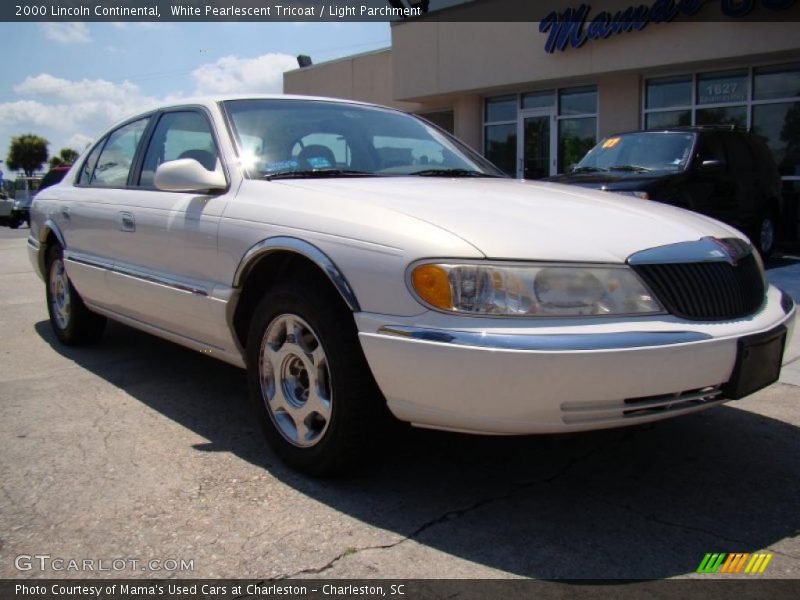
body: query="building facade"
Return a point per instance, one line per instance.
(509, 89)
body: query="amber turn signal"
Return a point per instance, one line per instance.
(432, 285)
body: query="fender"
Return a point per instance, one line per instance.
(303, 248)
(47, 228)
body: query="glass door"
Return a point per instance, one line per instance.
(536, 144)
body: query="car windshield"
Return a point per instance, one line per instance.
(643, 151)
(281, 138)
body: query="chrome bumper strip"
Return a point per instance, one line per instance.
(546, 342)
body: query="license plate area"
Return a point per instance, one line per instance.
(758, 363)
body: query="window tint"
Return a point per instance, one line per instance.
(739, 154)
(115, 160)
(183, 134)
(666, 92)
(501, 109)
(88, 165)
(578, 101)
(710, 148)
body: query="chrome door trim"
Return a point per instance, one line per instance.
(136, 274)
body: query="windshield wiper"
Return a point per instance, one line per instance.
(635, 168)
(451, 173)
(588, 169)
(313, 173)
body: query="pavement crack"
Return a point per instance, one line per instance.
(458, 512)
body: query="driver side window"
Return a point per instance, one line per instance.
(180, 134)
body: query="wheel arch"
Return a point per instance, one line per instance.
(49, 234)
(275, 258)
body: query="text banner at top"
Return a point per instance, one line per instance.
(633, 12)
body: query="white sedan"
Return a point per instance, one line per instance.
(358, 262)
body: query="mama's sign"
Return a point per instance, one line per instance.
(575, 26)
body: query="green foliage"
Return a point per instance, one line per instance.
(27, 153)
(66, 156)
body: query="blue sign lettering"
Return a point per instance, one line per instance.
(573, 28)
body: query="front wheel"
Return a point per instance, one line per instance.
(765, 236)
(14, 221)
(310, 386)
(72, 322)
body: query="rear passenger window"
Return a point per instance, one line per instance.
(182, 134)
(88, 165)
(115, 160)
(740, 157)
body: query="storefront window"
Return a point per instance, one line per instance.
(779, 126)
(666, 92)
(770, 83)
(501, 147)
(575, 138)
(772, 111)
(722, 88)
(578, 101)
(544, 99)
(670, 118)
(724, 115)
(501, 109)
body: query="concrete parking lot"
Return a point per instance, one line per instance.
(140, 449)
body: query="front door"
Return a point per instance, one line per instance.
(536, 144)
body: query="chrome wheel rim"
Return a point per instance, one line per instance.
(60, 300)
(295, 380)
(767, 235)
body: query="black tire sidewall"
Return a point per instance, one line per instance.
(355, 404)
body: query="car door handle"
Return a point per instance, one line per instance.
(65, 213)
(127, 222)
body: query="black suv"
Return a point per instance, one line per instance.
(728, 174)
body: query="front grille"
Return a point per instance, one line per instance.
(706, 291)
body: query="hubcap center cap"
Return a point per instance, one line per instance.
(295, 380)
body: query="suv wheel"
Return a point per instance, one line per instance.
(765, 236)
(72, 322)
(310, 386)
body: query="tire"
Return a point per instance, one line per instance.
(310, 386)
(764, 235)
(14, 221)
(72, 322)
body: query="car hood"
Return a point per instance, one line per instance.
(512, 219)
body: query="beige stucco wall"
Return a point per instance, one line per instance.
(364, 77)
(619, 103)
(432, 58)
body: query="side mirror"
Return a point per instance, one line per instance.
(188, 175)
(571, 168)
(713, 165)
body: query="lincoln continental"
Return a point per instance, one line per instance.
(362, 264)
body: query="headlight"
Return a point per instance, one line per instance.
(532, 290)
(636, 193)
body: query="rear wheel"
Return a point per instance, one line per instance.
(72, 322)
(310, 386)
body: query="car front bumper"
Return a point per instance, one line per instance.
(559, 377)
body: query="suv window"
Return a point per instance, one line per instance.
(710, 147)
(179, 134)
(740, 158)
(114, 163)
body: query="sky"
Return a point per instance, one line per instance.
(69, 81)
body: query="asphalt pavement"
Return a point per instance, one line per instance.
(138, 449)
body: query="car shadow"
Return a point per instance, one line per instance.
(644, 502)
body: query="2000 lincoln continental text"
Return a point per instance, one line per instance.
(363, 265)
